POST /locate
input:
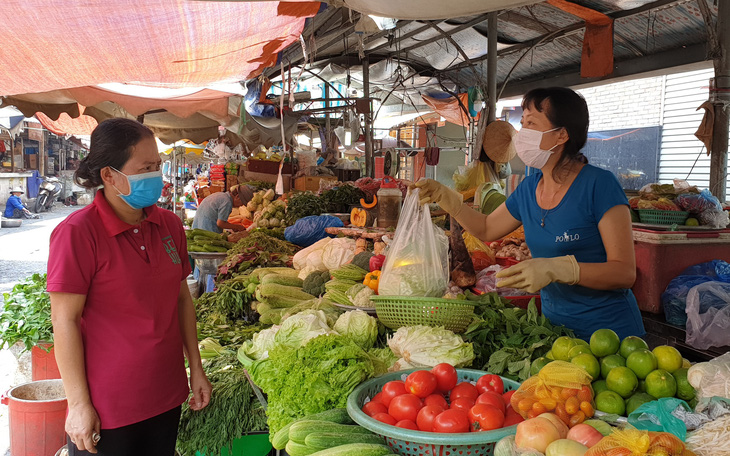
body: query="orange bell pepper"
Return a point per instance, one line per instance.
(371, 280)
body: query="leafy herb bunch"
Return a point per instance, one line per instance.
(26, 315)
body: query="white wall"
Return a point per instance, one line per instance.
(628, 104)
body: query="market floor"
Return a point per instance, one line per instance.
(23, 251)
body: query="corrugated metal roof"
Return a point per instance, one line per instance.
(648, 34)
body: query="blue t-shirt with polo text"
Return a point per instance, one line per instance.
(571, 228)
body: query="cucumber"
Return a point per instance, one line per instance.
(297, 449)
(196, 248)
(202, 240)
(301, 429)
(360, 449)
(262, 307)
(338, 415)
(324, 440)
(282, 280)
(350, 272)
(272, 316)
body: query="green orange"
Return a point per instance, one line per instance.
(589, 363)
(660, 383)
(610, 362)
(642, 362)
(604, 342)
(623, 381)
(630, 345)
(636, 400)
(610, 402)
(668, 358)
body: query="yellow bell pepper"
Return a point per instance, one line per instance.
(371, 280)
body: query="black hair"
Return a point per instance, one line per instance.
(111, 145)
(567, 109)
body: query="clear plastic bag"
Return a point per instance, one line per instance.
(708, 315)
(417, 259)
(711, 378)
(674, 298)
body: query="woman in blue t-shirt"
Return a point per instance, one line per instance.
(576, 219)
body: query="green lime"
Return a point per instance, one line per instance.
(622, 380)
(685, 391)
(692, 222)
(604, 342)
(579, 349)
(589, 363)
(636, 400)
(598, 386)
(538, 364)
(609, 362)
(580, 341)
(668, 358)
(641, 362)
(549, 355)
(610, 402)
(561, 348)
(630, 345)
(660, 383)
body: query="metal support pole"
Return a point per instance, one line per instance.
(718, 160)
(369, 159)
(492, 66)
(327, 121)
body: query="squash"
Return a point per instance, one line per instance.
(359, 217)
(371, 205)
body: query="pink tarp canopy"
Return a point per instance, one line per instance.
(60, 44)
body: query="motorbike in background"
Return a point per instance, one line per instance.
(48, 193)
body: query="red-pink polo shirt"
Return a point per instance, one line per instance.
(131, 278)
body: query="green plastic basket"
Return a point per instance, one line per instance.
(397, 311)
(406, 442)
(657, 217)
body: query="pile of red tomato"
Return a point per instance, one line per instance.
(434, 401)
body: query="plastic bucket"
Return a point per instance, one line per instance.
(37, 413)
(43, 363)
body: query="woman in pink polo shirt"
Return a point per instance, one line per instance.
(123, 318)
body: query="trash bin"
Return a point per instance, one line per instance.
(34, 184)
(37, 413)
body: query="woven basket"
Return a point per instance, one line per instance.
(657, 217)
(396, 311)
(406, 442)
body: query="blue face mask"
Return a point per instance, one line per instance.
(144, 189)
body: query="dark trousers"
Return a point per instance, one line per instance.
(17, 213)
(155, 436)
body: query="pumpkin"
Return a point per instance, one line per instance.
(360, 217)
(371, 205)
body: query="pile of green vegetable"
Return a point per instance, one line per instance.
(206, 241)
(257, 250)
(316, 377)
(233, 410)
(339, 199)
(302, 205)
(506, 338)
(26, 315)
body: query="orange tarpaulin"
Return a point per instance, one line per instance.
(597, 56)
(65, 125)
(50, 45)
(449, 108)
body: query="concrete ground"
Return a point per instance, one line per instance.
(23, 251)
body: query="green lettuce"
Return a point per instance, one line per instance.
(316, 377)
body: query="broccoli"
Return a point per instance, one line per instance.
(362, 260)
(314, 283)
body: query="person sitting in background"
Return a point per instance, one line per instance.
(214, 210)
(15, 208)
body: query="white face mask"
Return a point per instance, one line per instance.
(527, 145)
